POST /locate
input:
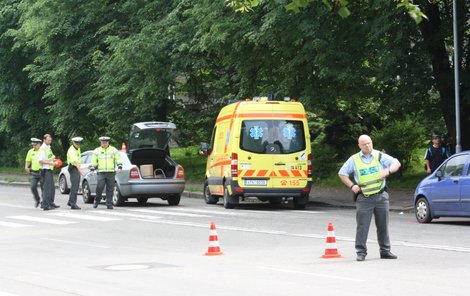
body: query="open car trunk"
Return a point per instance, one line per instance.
(153, 163)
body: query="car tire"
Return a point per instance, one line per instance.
(63, 186)
(118, 199)
(423, 211)
(227, 203)
(87, 198)
(174, 200)
(208, 197)
(142, 200)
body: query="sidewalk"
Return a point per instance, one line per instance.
(400, 200)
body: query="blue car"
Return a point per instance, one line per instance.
(446, 192)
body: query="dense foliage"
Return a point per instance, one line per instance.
(94, 67)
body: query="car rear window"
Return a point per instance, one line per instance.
(272, 136)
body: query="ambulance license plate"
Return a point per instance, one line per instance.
(256, 182)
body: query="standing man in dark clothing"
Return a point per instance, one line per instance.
(370, 169)
(33, 167)
(435, 154)
(47, 161)
(74, 157)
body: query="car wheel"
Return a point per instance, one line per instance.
(227, 203)
(118, 199)
(63, 187)
(174, 200)
(422, 211)
(208, 197)
(142, 200)
(87, 198)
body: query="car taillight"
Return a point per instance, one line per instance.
(134, 173)
(309, 165)
(180, 173)
(234, 165)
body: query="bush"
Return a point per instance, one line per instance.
(400, 139)
(324, 161)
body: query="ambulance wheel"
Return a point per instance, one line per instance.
(227, 203)
(275, 200)
(208, 197)
(300, 202)
(118, 199)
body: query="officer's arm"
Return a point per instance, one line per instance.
(27, 165)
(94, 162)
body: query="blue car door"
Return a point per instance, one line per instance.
(465, 189)
(446, 192)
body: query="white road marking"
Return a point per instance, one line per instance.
(83, 217)
(215, 212)
(76, 243)
(116, 213)
(170, 213)
(13, 225)
(15, 206)
(7, 294)
(313, 274)
(41, 220)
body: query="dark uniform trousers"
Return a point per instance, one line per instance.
(75, 180)
(377, 205)
(105, 178)
(34, 180)
(48, 192)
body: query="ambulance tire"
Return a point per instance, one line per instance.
(208, 197)
(275, 200)
(227, 203)
(300, 202)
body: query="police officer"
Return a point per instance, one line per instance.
(105, 159)
(370, 169)
(74, 157)
(33, 167)
(47, 160)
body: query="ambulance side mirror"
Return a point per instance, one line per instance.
(204, 149)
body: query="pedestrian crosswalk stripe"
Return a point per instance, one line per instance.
(83, 217)
(214, 212)
(41, 220)
(170, 213)
(115, 213)
(13, 225)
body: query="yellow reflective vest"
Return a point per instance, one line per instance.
(33, 158)
(368, 174)
(74, 156)
(106, 159)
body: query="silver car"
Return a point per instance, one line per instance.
(147, 169)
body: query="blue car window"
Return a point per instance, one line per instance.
(454, 166)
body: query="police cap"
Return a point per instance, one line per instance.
(77, 139)
(105, 139)
(35, 141)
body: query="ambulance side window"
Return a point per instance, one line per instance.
(211, 145)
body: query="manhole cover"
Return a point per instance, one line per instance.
(127, 267)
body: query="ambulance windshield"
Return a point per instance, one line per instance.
(272, 136)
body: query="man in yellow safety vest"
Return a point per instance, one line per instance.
(33, 168)
(370, 169)
(105, 160)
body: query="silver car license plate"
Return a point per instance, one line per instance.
(256, 182)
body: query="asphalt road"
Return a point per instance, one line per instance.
(159, 250)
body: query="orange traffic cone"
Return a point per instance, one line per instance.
(331, 250)
(123, 147)
(214, 248)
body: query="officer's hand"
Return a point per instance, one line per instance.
(428, 170)
(356, 189)
(28, 170)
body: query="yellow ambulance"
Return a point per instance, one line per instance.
(259, 148)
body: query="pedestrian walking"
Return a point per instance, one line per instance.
(105, 160)
(47, 160)
(435, 154)
(33, 168)
(74, 157)
(370, 169)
